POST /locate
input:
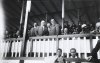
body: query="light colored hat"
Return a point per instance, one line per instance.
(98, 24)
(84, 25)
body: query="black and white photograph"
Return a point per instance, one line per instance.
(49, 31)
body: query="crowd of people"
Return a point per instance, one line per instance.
(52, 28)
(74, 58)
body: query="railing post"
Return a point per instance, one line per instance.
(16, 48)
(39, 47)
(19, 49)
(91, 43)
(79, 51)
(35, 47)
(47, 50)
(43, 47)
(68, 47)
(31, 47)
(85, 52)
(57, 43)
(12, 49)
(5, 50)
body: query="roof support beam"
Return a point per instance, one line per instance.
(9, 27)
(33, 3)
(39, 10)
(48, 10)
(73, 2)
(67, 13)
(13, 7)
(86, 11)
(97, 8)
(54, 6)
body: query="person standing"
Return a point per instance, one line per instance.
(42, 30)
(55, 28)
(32, 31)
(49, 28)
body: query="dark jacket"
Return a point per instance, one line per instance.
(94, 52)
(32, 32)
(60, 60)
(42, 32)
(55, 29)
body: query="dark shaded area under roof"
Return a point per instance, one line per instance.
(75, 10)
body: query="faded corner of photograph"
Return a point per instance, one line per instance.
(2, 29)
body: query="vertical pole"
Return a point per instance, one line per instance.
(22, 14)
(28, 5)
(21, 19)
(31, 47)
(63, 15)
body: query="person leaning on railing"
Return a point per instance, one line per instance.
(42, 30)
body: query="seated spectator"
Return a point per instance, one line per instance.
(49, 28)
(72, 28)
(73, 53)
(98, 27)
(17, 34)
(13, 34)
(6, 34)
(65, 31)
(92, 28)
(55, 28)
(42, 30)
(59, 59)
(84, 26)
(66, 25)
(75, 31)
(79, 27)
(92, 31)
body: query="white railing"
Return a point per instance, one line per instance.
(43, 46)
(44, 60)
(12, 47)
(46, 46)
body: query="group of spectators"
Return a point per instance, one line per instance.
(45, 29)
(52, 28)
